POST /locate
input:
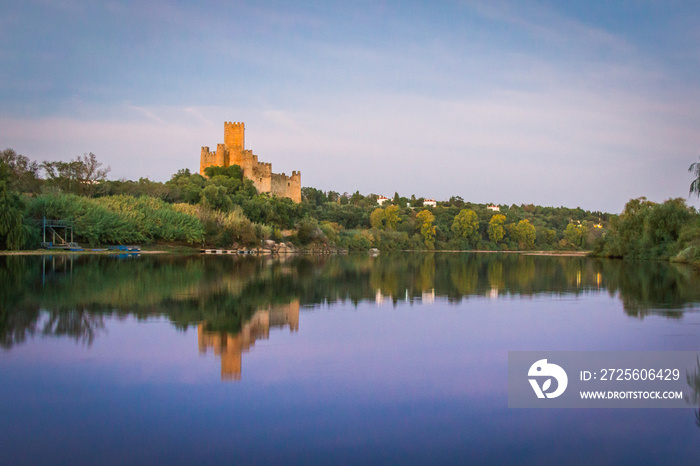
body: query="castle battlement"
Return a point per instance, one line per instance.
(233, 152)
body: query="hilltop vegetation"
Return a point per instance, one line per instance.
(224, 210)
(647, 230)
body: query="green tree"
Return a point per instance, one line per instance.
(466, 225)
(79, 176)
(496, 230)
(24, 174)
(314, 196)
(232, 171)
(215, 198)
(545, 237)
(232, 179)
(647, 229)
(90, 172)
(576, 234)
(14, 233)
(376, 218)
(308, 231)
(524, 234)
(185, 186)
(391, 216)
(456, 201)
(427, 229)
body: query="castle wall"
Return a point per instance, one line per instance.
(247, 162)
(286, 186)
(262, 177)
(233, 152)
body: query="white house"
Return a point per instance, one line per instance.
(381, 200)
(429, 203)
(495, 208)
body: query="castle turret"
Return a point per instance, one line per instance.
(220, 160)
(234, 136)
(207, 159)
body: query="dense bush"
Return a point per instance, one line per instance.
(648, 230)
(15, 229)
(119, 219)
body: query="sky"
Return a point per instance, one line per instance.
(572, 103)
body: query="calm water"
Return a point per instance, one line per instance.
(391, 359)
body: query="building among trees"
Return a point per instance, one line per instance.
(233, 152)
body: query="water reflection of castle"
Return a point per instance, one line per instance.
(231, 346)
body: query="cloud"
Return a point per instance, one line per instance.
(548, 25)
(495, 102)
(146, 112)
(594, 147)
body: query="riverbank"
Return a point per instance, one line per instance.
(524, 252)
(163, 249)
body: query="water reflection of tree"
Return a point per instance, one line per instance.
(79, 324)
(651, 287)
(226, 291)
(494, 275)
(18, 317)
(464, 277)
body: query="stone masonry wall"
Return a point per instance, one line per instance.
(287, 186)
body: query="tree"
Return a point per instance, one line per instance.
(524, 234)
(78, 176)
(391, 215)
(427, 229)
(648, 230)
(14, 234)
(356, 198)
(545, 237)
(24, 175)
(309, 231)
(416, 202)
(90, 171)
(314, 196)
(185, 186)
(333, 196)
(376, 218)
(695, 185)
(466, 225)
(399, 200)
(496, 230)
(456, 201)
(576, 234)
(232, 171)
(215, 198)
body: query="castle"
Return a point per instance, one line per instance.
(233, 152)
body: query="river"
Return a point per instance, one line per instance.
(327, 360)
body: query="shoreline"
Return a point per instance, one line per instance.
(523, 252)
(46, 252)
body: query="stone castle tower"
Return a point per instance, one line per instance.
(233, 152)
